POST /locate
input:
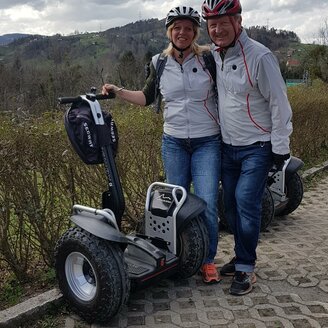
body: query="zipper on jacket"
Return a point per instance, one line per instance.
(181, 68)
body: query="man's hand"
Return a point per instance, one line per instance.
(279, 160)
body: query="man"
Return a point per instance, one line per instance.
(255, 118)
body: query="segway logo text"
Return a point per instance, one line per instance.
(89, 138)
(112, 131)
(165, 199)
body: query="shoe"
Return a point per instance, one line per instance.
(242, 283)
(229, 268)
(210, 273)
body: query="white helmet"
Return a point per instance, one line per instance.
(182, 12)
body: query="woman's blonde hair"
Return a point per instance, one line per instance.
(195, 47)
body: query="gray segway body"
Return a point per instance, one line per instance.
(168, 209)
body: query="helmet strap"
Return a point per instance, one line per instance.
(180, 49)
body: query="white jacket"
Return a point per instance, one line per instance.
(190, 109)
(252, 100)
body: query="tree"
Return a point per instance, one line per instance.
(129, 71)
(316, 62)
(323, 33)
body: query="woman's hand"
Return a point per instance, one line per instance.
(107, 88)
(134, 97)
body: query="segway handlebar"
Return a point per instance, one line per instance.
(90, 96)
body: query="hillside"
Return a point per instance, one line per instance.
(39, 69)
(8, 38)
(140, 38)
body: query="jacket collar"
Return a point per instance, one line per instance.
(235, 48)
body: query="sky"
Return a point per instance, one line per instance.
(49, 17)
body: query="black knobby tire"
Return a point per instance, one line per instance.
(192, 247)
(294, 193)
(267, 213)
(92, 275)
(222, 219)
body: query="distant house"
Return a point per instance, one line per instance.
(291, 62)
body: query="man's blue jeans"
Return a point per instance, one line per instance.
(244, 175)
(196, 160)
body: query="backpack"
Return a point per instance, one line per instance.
(210, 65)
(86, 137)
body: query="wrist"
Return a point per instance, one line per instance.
(118, 90)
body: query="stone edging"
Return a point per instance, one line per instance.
(35, 306)
(314, 170)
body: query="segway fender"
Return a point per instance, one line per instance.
(294, 165)
(98, 228)
(192, 207)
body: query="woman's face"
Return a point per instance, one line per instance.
(183, 33)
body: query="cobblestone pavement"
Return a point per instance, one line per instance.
(291, 289)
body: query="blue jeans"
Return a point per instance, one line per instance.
(244, 175)
(196, 160)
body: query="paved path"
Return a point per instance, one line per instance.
(292, 287)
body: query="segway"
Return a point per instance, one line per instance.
(95, 262)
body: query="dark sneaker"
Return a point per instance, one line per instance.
(210, 273)
(229, 268)
(242, 283)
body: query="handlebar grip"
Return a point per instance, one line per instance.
(110, 95)
(68, 100)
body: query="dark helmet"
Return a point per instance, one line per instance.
(181, 13)
(213, 8)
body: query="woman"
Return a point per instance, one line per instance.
(191, 146)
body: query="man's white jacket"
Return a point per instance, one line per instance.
(252, 96)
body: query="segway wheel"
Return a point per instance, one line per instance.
(92, 275)
(294, 194)
(192, 247)
(267, 209)
(267, 213)
(223, 221)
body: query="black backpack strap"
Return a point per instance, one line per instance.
(160, 65)
(210, 64)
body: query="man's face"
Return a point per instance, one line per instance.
(223, 30)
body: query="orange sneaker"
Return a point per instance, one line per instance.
(210, 273)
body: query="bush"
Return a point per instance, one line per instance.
(41, 178)
(310, 118)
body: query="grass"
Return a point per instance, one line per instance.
(14, 292)
(11, 294)
(56, 317)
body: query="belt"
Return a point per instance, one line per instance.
(260, 143)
